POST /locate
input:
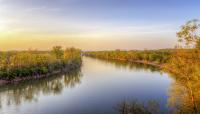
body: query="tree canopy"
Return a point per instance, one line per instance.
(190, 33)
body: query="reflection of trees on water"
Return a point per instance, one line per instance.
(135, 107)
(131, 65)
(29, 90)
(184, 97)
(184, 68)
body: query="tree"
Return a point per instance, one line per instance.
(184, 67)
(189, 33)
(57, 52)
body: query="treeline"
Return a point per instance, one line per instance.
(36, 63)
(153, 56)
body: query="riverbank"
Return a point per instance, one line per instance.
(142, 62)
(155, 58)
(67, 69)
(134, 61)
(16, 66)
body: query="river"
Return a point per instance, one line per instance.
(97, 88)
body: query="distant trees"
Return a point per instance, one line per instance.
(156, 56)
(190, 33)
(33, 63)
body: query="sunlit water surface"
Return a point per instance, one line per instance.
(95, 89)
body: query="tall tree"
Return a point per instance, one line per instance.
(184, 65)
(190, 33)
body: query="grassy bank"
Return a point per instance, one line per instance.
(20, 65)
(151, 57)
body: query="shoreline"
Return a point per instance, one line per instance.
(135, 61)
(20, 79)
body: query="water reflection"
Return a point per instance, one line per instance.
(184, 96)
(29, 90)
(136, 107)
(101, 85)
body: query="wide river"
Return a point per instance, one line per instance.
(97, 88)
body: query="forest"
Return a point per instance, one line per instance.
(33, 63)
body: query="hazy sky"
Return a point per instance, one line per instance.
(93, 24)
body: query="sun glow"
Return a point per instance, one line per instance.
(3, 25)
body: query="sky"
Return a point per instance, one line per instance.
(93, 24)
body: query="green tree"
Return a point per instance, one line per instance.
(57, 52)
(189, 33)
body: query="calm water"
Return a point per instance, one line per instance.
(94, 89)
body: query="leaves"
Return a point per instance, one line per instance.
(189, 33)
(31, 63)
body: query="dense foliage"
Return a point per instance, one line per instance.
(189, 34)
(184, 67)
(155, 56)
(34, 63)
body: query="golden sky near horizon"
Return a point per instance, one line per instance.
(19, 37)
(23, 42)
(40, 24)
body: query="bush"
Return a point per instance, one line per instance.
(29, 63)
